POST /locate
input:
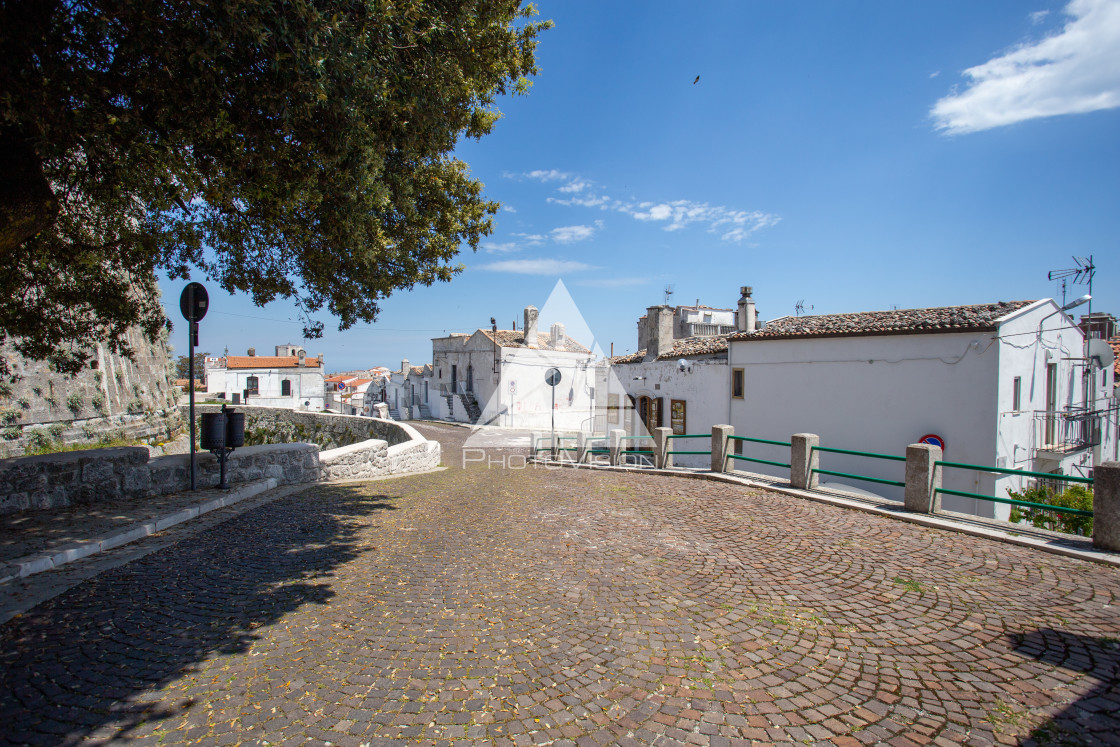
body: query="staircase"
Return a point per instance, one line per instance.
(425, 412)
(470, 404)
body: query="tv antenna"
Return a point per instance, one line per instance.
(1080, 275)
(799, 307)
(668, 293)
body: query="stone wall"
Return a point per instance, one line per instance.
(115, 399)
(327, 430)
(84, 477)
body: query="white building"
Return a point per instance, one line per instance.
(1001, 385)
(292, 380)
(497, 377)
(678, 377)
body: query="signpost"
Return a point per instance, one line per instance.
(194, 303)
(552, 378)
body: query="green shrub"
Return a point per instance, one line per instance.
(98, 403)
(24, 403)
(75, 402)
(135, 407)
(1075, 496)
(9, 416)
(11, 432)
(57, 429)
(39, 442)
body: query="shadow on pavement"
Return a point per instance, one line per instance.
(1094, 718)
(90, 658)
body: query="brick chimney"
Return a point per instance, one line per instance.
(252, 351)
(531, 315)
(747, 318)
(659, 331)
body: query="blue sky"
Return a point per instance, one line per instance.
(854, 156)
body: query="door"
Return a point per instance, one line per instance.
(1051, 403)
(454, 378)
(470, 378)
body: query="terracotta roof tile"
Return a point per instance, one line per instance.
(515, 338)
(1115, 343)
(268, 361)
(979, 317)
(686, 346)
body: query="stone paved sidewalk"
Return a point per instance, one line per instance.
(569, 607)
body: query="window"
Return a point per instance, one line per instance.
(251, 385)
(1017, 394)
(612, 408)
(286, 388)
(737, 383)
(677, 416)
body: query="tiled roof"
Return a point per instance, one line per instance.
(979, 317)
(268, 361)
(416, 370)
(1115, 343)
(515, 338)
(686, 346)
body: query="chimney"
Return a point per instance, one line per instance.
(557, 332)
(302, 357)
(531, 314)
(252, 351)
(659, 331)
(404, 366)
(747, 318)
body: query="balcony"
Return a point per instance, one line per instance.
(695, 329)
(1059, 433)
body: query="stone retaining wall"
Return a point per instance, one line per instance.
(83, 477)
(329, 430)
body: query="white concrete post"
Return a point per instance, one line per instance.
(581, 447)
(721, 445)
(803, 459)
(616, 435)
(662, 459)
(923, 478)
(1106, 506)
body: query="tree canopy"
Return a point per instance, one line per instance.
(287, 148)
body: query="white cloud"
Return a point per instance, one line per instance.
(1039, 16)
(532, 239)
(1073, 71)
(509, 208)
(547, 175)
(569, 234)
(537, 266)
(491, 248)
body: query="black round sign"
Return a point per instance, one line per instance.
(552, 376)
(194, 302)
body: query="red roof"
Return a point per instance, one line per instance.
(268, 361)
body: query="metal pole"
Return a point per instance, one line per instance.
(553, 417)
(191, 332)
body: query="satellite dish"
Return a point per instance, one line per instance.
(1100, 353)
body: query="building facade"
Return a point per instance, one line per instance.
(1002, 385)
(290, 381)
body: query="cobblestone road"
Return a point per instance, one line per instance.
(568, 607)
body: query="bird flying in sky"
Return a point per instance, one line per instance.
(696, 81)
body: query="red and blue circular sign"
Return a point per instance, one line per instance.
(933, 440)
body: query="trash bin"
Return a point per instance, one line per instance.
(212, 435)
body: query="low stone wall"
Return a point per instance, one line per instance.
(328, 430)
(82, 477)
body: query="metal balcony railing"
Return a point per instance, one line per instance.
(1068, 430)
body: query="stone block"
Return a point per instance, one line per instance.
(1106, 506)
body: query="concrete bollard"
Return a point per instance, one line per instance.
(615, 446)
(803, 459)
(721, 447)
(923, 478)
(662, 459)
(581, 447)
(1106, 506)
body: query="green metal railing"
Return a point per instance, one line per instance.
(690, 435)
(637, 451)
(767, 441)
(1013, 501)
(868, 454)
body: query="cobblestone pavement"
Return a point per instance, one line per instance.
(533, 606)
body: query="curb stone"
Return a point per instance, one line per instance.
(56, 557)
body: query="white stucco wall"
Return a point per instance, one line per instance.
(306, 383)
(873, 394)
(704, 391)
